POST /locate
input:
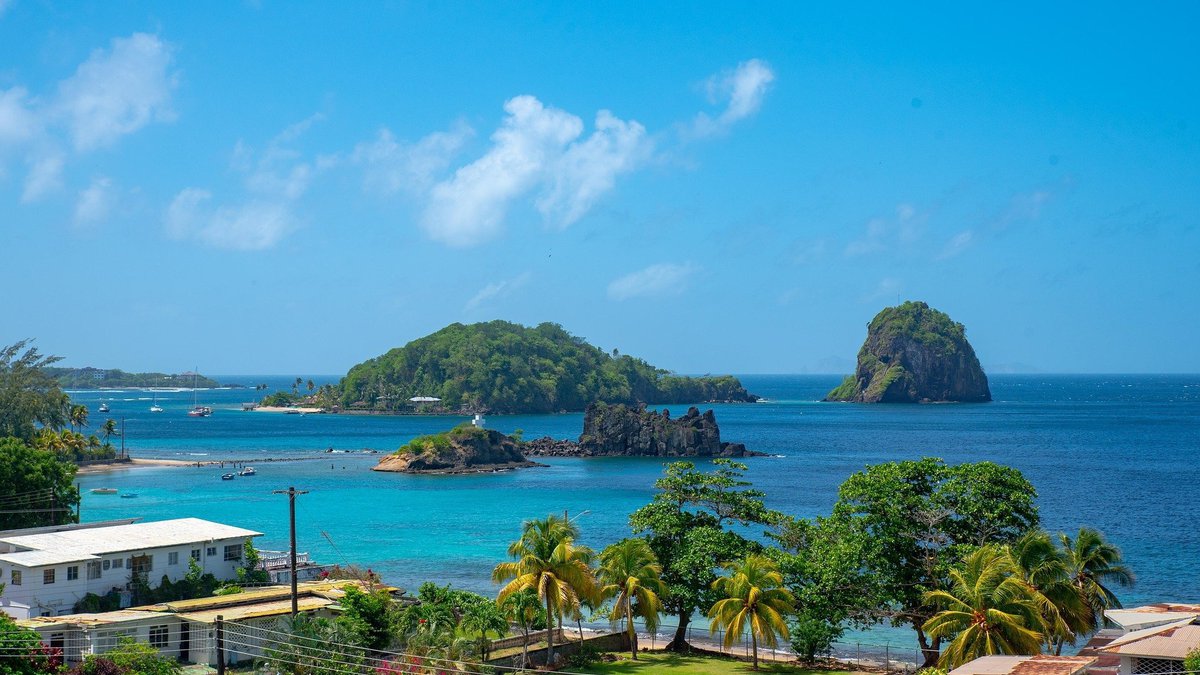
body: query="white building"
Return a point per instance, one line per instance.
(1156, 640)
(47, 570)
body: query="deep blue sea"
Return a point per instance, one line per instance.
(1120, 453)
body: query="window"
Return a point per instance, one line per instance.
(159, 636)
(15, 579)
(72, 572)
(195, 554)
(141, 564)
(173, 558)
(233, 552)
(211, 551)
(1156, 666)
(47, 576)
(107, 564)
(93, 569)
(118, 563)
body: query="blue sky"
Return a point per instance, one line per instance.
(287, 187)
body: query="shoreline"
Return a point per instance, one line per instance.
(138, 463)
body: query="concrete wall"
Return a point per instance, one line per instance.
(605, 642)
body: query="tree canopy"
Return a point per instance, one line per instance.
(29, 395)
(509, 368)
(37, 487)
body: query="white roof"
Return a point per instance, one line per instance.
(995, 664)
(50, 548)
(1170, 641)
(1135, 619)
(424, 399)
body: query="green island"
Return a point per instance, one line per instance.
(115, 378)
(914, 354)
(504, 367)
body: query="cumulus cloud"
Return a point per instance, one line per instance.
(273, 180)
(497, 289)
(45, 176)
(589, 169)
(391, 166)
(741, 89)
(18, 122)
(656, 280)
(118, 91)
(95, 201)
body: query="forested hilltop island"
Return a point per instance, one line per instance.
(115, 378)
(505, 367)
(914, 354)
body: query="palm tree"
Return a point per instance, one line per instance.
(525, 610)
(630, 572)
(1043, 566)
(108, 429)
(78, 416)
(754, 598)
(987, 609)
(547, 560)
(1093, 565)
(482, 618)
(311, 386)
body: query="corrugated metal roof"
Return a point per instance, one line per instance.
(989, 665)
(1172, 641)
(1042, 664)
(41, 558)
(258, 609)
(1146, 617)
(83, 544)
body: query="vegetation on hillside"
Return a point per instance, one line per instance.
(508, 368)
(113, 378)
(438, 445)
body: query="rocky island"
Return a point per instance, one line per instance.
(463, 449)
(914, 354)
(633, 431)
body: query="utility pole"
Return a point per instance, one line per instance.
(122, 436)
(291, 492)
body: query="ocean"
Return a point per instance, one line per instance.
(1118, 453)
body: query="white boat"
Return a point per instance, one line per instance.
(155, 407)
(104, 491)
(103, 407)
(248, 471)
(197, 409)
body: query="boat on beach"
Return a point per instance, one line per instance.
(104, 491)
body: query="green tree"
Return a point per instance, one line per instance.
(753, 600)
(29, 396)
(1043, 566)
(79, 417)
(250, 572)
(547, 560)
(630, 574)
(1191, 663)
(136, 658)
(524, 609)
(23, 651)
(480, 620)
(372, 617)
(315, 646)
(1094, 566)
(108, 429)
(686, 525)
(987, 609)
(921, 517)
(40, 487)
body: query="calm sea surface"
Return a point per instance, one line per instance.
(1119, 453)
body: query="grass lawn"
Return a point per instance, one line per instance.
(658, 663)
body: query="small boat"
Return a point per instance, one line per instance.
(103, 407)
(226, 476)
(155, 407)
(200, 411)
(129, 495)
(248, 471)
(104, 491)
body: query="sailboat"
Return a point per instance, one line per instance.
(197, 410)
(155, 407)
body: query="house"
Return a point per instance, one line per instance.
(1042, 664)
(186, 629)
(47, 570)
(1157, 649)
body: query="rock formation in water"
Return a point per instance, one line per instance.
(623, 431)
(464, 449)
(914, 353)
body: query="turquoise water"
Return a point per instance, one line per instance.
(1115, 452)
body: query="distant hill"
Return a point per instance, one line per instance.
(114, 378)
(505, 367)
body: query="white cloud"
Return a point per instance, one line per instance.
(94, 202)
(590, 168)
(391, 166)
(118, 91)
(497, 289)
(273, 181)
(45, 176)
(742, 89)
(957, 244)
(887, 290)
(655, 280)
(882, 234)
(470, 207)
(18, 122)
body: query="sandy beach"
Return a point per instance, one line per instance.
(288, 409)
(232, 463)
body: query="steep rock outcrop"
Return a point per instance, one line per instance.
(464, 449)
(619, 430)
(914, 353)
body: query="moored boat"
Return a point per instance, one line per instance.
(103, 407)
(226, 476)
(248, 471)
(104, 491)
